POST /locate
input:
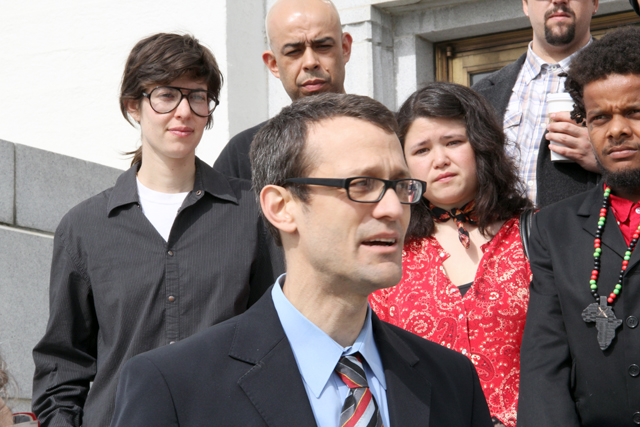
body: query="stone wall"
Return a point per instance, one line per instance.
(37, 188)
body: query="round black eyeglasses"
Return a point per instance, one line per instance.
(365, 189)
(165, 99)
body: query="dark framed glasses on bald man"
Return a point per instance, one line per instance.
(165, 99)
(365, 189)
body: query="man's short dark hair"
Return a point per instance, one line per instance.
(617, 52)
(278, 149)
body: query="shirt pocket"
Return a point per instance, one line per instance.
(511, 128)
(512, 120)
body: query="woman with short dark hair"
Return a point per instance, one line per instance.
(465, 276)
(173, 248)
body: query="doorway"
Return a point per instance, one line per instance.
(468, 61)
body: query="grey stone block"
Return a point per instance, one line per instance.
(19, 405)
(7, 181)
(49, 184)
(25, 262)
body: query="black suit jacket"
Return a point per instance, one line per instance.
(243, 373)
(565, 379)
(555, 181)
(234, 158)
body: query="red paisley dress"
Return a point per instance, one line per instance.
(486, 324)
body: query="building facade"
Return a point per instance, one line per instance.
(61, 68)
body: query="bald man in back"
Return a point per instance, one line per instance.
(307, 52)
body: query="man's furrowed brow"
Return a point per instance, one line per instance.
(292, 46)
(323, 40)
(301, 44)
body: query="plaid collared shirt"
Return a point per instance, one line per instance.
(525, 120)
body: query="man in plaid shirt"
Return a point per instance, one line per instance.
(519, 94)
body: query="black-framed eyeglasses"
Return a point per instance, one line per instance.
(165, 99)
(365, 189)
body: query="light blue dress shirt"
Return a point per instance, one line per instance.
(317, 355)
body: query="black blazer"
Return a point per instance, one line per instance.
(565, 379)
(234, 158)
(555, 181)
(243, 373)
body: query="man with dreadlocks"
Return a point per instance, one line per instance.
(580, 357)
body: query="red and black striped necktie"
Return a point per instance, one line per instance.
(360, 408)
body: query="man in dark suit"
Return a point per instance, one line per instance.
(580, 352)
(307, 52)
(335, 189)
(519, 94)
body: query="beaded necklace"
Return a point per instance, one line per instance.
(601, 312)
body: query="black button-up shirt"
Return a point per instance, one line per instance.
(119, 289)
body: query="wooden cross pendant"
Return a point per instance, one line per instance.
(606, 322)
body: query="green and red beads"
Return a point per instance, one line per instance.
(593, 282)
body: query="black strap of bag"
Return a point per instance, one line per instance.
(525, 229)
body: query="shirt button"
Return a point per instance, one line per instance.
(171, 298)
(172, 342)
(636, 418)
(170, 253)
(632, 322)
(460, 316)
(634, 370)
(442, 255)
(530, 183)
(199, 193)
(464, 351)
(638, 210)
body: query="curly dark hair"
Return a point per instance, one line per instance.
(4, 378)
(617, 52)
(500, 194)
(5, 381)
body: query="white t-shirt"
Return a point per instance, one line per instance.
(160, 208)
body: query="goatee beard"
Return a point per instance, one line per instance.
(566, 34)
(561, 39)
(626, 180)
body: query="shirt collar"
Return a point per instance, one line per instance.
(207, 179)
(621, 207)
(316, 353)
(533, 64)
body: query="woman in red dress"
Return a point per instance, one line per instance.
(466, 277)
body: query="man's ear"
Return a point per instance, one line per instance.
(133, 108)
(347, 41)
(276, 203)
(269, 58)
(525, 8)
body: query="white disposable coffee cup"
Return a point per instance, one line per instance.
(556, 103)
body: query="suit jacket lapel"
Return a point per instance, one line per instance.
(408, 392)
(504, 80)
(635, 259)
(274, 384)
(590, 212)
